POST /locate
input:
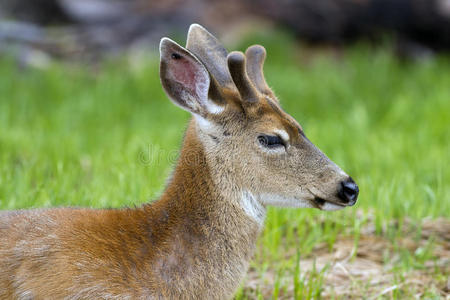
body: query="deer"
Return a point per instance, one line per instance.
(240, 154)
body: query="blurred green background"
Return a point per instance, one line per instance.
(105, 136)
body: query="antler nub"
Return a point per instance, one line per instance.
(256, 55)
(236, 65)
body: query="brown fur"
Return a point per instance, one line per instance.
(182, 246)
(196, 241)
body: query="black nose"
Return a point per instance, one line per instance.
(349, 192)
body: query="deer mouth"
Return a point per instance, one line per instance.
(323, 204)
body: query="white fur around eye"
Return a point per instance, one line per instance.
(282, 134)
(274, 151)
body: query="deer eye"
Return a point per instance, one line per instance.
(270, 141)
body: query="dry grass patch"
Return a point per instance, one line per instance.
(368, 267)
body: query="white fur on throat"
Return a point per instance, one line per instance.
(253, 207)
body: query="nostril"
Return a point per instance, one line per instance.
(349, 191)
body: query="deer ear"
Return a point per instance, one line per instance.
(185, 79)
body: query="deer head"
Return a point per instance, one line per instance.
(251, 144)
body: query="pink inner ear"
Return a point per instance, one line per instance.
(186, 72)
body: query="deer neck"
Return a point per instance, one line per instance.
(212, 236)
(203, 184)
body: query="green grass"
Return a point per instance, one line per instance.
(70, 136)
